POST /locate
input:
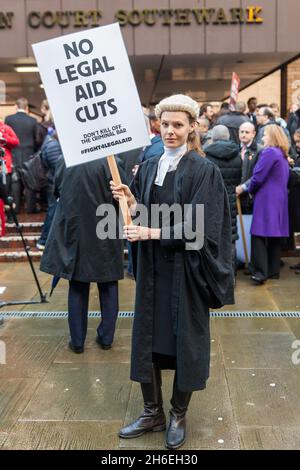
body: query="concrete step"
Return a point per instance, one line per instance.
(11, 255)
(27, 227)
(15, 241)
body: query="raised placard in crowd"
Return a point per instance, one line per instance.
(92, 94)
(234, 91)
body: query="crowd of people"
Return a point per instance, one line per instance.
(196, 157)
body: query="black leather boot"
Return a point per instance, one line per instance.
(153, 417)
(177, 426)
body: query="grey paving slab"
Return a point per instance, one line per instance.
(119, 353)
(20, 286)
(124, 323)
(35, 326)
(228, 326)
(286, 297)
(127, 294)
(14, 397)
(271, 351)
(87, 392)
(62, 435)
(210, 420)
(270, 438)
(294, 325)
(69, 401)
(28, 356)
(262, 397)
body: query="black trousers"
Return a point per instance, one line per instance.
(265, 256)
(17, 189)
(78, 302)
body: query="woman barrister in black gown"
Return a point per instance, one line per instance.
(177, 278)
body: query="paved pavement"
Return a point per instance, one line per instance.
(51, 398)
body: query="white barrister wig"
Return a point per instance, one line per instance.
(178, 103)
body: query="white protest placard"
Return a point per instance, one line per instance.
(92, 94)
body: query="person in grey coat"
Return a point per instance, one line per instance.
(75, 252)
(225, 154)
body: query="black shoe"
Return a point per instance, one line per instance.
(102, 345)
(274, 276)
(257, 280)
(177, 427)
(153, 419)
(295, 266)
(76, 349)
(176, 430)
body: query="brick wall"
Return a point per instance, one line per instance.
(294, 83)
(267, 90)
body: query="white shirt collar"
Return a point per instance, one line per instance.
(169, 162)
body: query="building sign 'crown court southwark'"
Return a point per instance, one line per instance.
(149, 17)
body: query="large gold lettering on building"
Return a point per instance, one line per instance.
(6, 19)
(148, 17)
(187, 16)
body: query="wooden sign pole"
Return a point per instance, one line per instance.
(117, 180)
(239, 208)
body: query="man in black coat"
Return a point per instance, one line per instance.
(233, 120)
(294, 197)
(293, 119)
(225, 154)
(252, 105)
(249, 153)
(77, 248)
(3, 192)
(26, 128)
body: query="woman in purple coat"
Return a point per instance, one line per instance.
(269, 187)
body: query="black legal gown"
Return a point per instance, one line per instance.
(176, 285)
(164, 339)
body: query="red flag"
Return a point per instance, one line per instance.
(234, 91)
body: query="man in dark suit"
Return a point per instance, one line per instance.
(249, 152)
(252, 105)
(26, 129)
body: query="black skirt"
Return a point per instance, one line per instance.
(164, 338)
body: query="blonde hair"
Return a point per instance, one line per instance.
(193, 141)
(278, 138)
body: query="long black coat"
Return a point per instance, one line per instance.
(294, 200)
(73, 250)
(3, 194)
(202, 278)
(26, 128)
(250, 159)
(233, 120)
(225, 154)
